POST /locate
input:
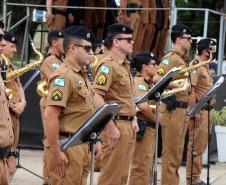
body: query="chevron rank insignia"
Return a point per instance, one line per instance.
(57, 95)
(142, 87)
(59, 82)
(55, 66)
(105, 69)
(161, 71)
(101, 80)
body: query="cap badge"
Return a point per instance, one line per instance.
(184, 30)
(60, 33)
(13, 39)
(88, 35)
(123, 28)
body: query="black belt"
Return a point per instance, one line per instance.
(182, 104)
(207, 107)
(65, 134)
(126, 118)
(134, 5)
(151, 124)
(4, 152)
(179, 104)
(55, 11)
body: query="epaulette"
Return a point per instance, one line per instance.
(168, 54)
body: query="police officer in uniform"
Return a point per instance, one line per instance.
(173, 109)
(56, 17)
(17, 100)
(52, 61)
(201, 82)
(6, 132)
(113, 83)
(69, 104)
(141, 169)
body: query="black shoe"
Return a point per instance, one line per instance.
(200, 183)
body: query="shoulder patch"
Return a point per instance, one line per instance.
(142, 87)
(165, 61)
(105, 69)
(161, 71)
(101, 80)
(57, 95)
(59, 82)
(55, 66)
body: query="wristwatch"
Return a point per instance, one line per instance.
(14, 154)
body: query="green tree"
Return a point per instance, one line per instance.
(195, 19)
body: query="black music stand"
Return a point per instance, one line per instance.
(18, 166)
(155, 94)
(91, 129)
(206, 99)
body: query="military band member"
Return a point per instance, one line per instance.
(173, 109)
(51, 62)
(113, 83)
(69, 104)
(201, 82)
(6, 131)
(141, 169)
(56, 17)
(17, 100)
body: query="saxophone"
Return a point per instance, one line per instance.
(181, 77)
(182, 73)
(42, 88)
(18, 72)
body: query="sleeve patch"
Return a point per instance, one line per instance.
(105, 69)
(161, 71)
(59, 82)
(101, 80)
(165, 61)
(142, 87)
(57, 95)
(55, 66)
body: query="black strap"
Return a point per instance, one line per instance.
(126, 118)
(4, 152)
(55, 11)
(65, 134)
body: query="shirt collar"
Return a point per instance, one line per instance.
(73, 65)
(118, 59)
(179, 52)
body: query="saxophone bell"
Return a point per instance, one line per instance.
(42, 88)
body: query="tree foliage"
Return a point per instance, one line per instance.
(195, 19)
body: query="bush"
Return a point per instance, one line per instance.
(219, 117)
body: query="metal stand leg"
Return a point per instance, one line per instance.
(208, 149)
(157, 98)
(193, 148)
(93, 139)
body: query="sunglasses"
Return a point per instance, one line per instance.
(87, 48)
(188, 38)
(128, 39)
(1, 37)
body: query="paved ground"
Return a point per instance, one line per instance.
(32, 160)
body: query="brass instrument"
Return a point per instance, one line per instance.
(42, 88)
(183, 71)
(18, 72)
(182, 77)
(170, 92)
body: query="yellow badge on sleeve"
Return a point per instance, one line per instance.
(161, 71)
(57, 95)
(101, 80)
